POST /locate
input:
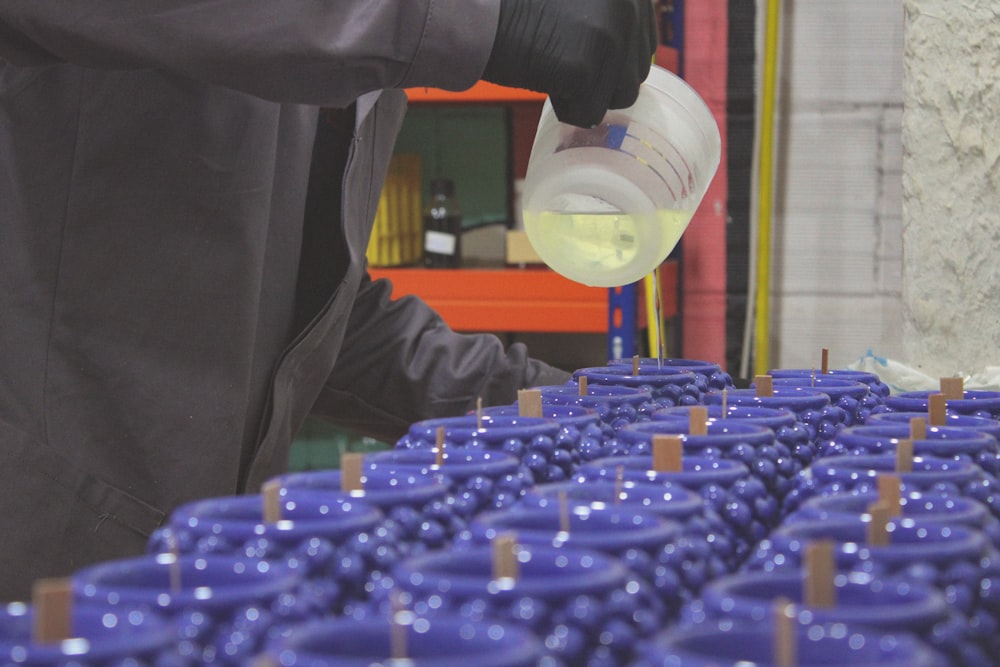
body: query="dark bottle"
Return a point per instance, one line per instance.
(442, 227)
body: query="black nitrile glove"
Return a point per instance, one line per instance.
(587, 55)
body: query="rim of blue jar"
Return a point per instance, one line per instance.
(613, 529)
(723, 644)
(917, 401)
(909, 540)
(693, 365)
(596, 394)
(858, 466)
(866, 377)
(647, 375)
(954, 440)
(382, 488)
(567, 415)
(957, 510)
(98, 634)
(669, 501)
(796, 399)
(696, 470)
(489, 428)
(835, 388)
(723, 434)
(859, 600)
(324, 643)
(544, 572)
(306, 514)
(773, 418)
(952, 420)
(207, 582)
(459, 463)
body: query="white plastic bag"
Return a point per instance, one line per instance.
(902, 378)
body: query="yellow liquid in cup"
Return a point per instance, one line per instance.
(604, 249)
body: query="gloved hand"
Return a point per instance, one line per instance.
(587, 55)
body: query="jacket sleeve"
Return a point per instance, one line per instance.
(322, 52)
(400, 363)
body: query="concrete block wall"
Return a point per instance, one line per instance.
(838, 219)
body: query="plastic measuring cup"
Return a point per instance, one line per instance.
(605, 206)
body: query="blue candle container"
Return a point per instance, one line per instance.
(878, 388)
(859, 474)
(945, 442)
(728, 644)
(583, 435)
(440, 641)
(99, 636)
(617, 406)
(477, 479)
(668, 386)
(974, 403)
(752, 445)
(889, 606)
(957, 561)
(924, 507)
(812, 409)
(728, 488)
(532, 440)
(855, 398)
(787, 429)
(706, 536)
(711, 375)
(585, 606)
(419, 508)
(339, 544)
(647, 544)
(952, 420)
(223, 608)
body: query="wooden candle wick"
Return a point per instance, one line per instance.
(878, 532)
(820, 567)
(479, 413)
(529, 403)
(505, 565)
(904, 456)
(52, 606)
(765, 387)
(937, 410)
(812, 378)
(582, 383)
(890, 494)
(953, 388)
(174, 569)
(725, 401)
(824, 361)
(698, 420)
(668, 453)
(350, 472)
(563, 512)
(270, 494)
(635, 365)
(785, 648)
(397, 629)
(439, 446)
(619, 483)
(918, 428)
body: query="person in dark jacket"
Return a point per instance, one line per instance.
(183, 236)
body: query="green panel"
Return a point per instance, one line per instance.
(319, 445)
(468, 144)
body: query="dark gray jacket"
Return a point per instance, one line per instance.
(176, 292)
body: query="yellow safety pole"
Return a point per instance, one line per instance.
(765, 200)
